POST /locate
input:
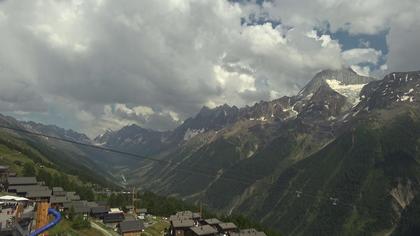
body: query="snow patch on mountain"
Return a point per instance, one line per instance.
(190, 133)
(292, 113)
(350, 91)
(406, 98)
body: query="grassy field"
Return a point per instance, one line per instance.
(16, 160)
(64, 228)
(157, 227)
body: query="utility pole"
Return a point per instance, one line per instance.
(132, 202)
(201, 209)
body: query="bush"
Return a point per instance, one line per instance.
(29, 169)
(80, 223)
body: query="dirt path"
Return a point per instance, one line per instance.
(104, 231)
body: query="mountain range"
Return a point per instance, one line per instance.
(342, 157)
(339, 158)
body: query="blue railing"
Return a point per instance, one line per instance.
(57, 218)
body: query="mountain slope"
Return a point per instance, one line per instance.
(373, 170)
(325, 145)
(53, 130)
(70, 158)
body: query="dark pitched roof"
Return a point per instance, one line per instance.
(58, 199)
(72, 196)
(182, 223)
(196, 215)
(28, 188)
(99, 209)
(74, 204)
(204, 230)
(91, 204)
(131, 226)
(21, 180)
(183, 215)
(227, 226)
(212, 221)
(59, 189)
(248, 232)
(113, 218)
(81, 209)
(39, 194)
(78, 206)
(102, 203)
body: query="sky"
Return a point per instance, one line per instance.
(94, 65)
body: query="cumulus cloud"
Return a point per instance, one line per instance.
(107, 63)
(403, 41)
(361, 70)
(361, 55)
(357, 16)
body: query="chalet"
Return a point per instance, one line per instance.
(4, 173)
(113, 218)
(114, 215)
(102, 203)
(59, 191)
(248, 232)
(39, 195)
(58, 202)
(173, 217)
(22, 190)
(181, 227)
(15, 181)
(204, 230)
(79, 207)
(91, 204)
(130, 227)
(99, 211)
(82, 210)
(196, 217)
(70, 204)
(212, 222)
(226, 228)
(72, 196)
(187, 215)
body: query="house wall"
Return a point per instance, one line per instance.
(179, 232)
(132, 234)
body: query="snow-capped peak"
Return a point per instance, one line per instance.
(350, 91)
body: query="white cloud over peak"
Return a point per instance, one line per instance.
(361, 55)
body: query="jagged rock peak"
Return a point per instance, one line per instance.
(345, 75)
(344, 81)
